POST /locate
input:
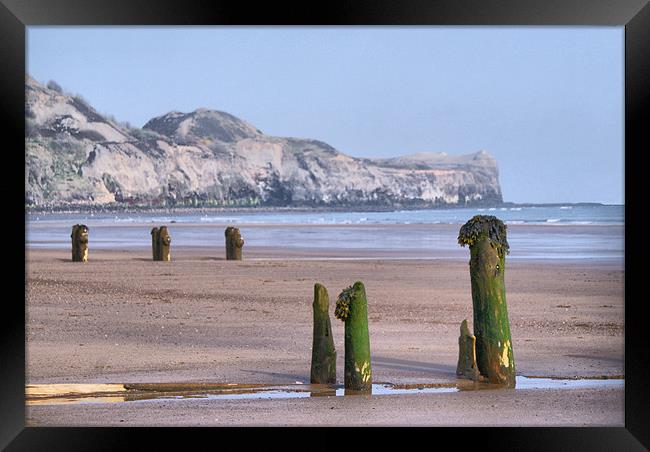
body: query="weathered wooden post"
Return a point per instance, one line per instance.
(352, 308)
(164, 244)
(79, 238)
(234, 243)
(323, 354)
(467, 367)
(486, 237)
(154, 244)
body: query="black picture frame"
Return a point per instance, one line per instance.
(16, 15)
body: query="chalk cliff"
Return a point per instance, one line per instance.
(76, 156)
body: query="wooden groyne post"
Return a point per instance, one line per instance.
(164, 244)
(323, 353)
(161, 244)
(234, 243)
(467, 367)
(488, 245)
(352, 308)
(154, 244)
(79, 238)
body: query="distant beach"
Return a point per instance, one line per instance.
(558, 232)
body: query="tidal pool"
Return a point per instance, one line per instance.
(54, 394)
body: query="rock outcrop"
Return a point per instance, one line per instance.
(76, 156)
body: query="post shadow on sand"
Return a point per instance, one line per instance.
(435, 369)
(616, 360)
(94, 260)
(293, 377)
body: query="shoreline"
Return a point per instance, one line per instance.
(189, 253)
(358, 241)
(295, 209)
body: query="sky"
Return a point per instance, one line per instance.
(546, 102)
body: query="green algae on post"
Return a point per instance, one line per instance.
(234, 244)
(352, 308)
(79, 238)
(323, 354)
(486, 237)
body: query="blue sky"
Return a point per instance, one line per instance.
(546, 102)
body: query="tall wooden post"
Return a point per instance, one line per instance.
(164, 244)
(79, 238)
(234, 243)
(486, 237)
(323, 354)
(352, 308)
(154, 244)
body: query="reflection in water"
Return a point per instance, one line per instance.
(325, 393)
(56, 394)
(74, 394)
(75, 400)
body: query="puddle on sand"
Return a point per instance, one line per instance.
(107, 393)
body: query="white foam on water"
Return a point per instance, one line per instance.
(220, 219)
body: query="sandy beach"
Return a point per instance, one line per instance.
(121, 318)
(380, 158)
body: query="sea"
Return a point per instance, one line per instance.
(574, 232)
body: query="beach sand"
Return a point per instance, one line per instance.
(122, 318)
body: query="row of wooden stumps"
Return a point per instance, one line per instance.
(485, 355)
(160, 243)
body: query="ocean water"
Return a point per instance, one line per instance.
(558, 232)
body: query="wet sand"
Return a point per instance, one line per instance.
(122, 318)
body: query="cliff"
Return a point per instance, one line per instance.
(74, 155)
